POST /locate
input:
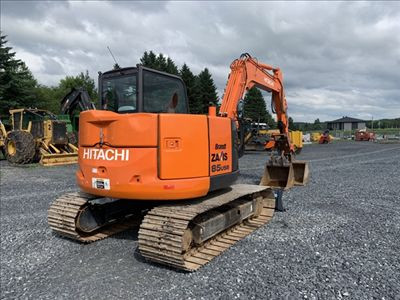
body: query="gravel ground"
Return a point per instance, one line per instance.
(339, 238)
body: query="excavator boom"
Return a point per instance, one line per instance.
(247, 72)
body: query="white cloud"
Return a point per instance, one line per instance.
(338, 58)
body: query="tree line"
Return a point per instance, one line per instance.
(202, 92)
(19, 88)
(318, 125)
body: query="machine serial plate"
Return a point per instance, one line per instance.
(101, 183)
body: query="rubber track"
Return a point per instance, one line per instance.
(161, 234)
(62, 216)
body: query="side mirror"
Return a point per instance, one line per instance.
(240, 108)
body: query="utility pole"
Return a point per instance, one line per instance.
(372, 123)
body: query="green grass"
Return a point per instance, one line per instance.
(385, 131)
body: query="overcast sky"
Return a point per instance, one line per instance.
(337, 58)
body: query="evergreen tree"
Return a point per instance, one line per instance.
(17, 83)
(201, 89)
(256, 109)
(159, 62)
(171, 67)
(144, 60)
(149, 59)
(292, 126)
(205, 91)
(190, 81)
(152, 60)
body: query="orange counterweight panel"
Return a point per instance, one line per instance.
(220, 145)
(131, 173)
(183, 141)
(118, 130)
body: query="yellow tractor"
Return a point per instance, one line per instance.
(37, 135)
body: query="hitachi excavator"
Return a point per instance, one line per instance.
(144, 158)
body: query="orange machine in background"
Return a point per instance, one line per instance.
(143, 151)
(325, 138)
(364, 135)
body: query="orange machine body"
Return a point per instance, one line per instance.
(143, 144)
(155, 156)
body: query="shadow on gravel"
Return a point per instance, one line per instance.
(141, 259)
(64, 238)
(130, 234)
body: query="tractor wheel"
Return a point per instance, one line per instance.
(72, 138)
(20, 147)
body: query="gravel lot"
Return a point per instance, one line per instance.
(339, 238)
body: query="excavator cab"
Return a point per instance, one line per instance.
(141, 89)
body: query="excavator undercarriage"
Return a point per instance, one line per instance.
(185, 235)
(182, 234)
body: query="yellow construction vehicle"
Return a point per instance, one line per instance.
(321, 138)
(256, 136)
(296, 137)
(37, 135)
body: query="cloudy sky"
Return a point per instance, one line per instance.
(337, 58)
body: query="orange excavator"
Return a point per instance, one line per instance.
(144, 158)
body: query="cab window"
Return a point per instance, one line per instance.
(119, 94)
(163, 94)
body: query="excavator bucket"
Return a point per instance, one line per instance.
(67, 155)
(278, 176)
(300, 172)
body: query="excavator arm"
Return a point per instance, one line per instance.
(247, 72)
(76, 98)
